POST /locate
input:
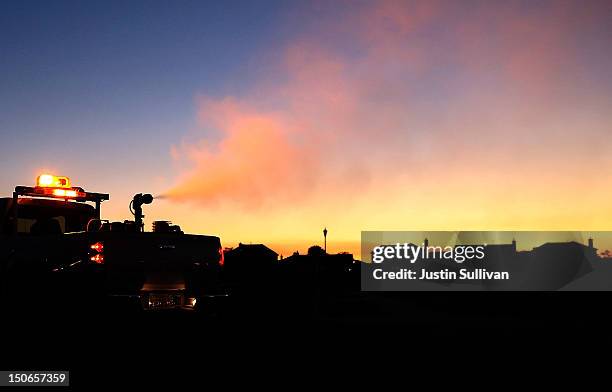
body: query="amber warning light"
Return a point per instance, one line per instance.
(48, 185)
(51, 181)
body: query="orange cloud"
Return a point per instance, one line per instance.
(254, 158)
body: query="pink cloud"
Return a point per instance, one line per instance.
(391, 89)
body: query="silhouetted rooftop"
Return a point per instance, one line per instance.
(559, 244)
(252, 248)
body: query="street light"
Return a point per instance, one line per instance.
(325, 239)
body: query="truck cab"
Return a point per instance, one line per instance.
(53, 245)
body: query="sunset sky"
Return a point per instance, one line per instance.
(265, 121)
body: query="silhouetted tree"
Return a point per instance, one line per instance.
(316, 250)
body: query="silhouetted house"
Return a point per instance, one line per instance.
(250, 256)
(252, 251)
(571, 248)
(320, 269)
(556, 264)
(250, 265)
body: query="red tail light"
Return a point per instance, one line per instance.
(221, 257)
(98, 259)
(98, 252)
(98, 247)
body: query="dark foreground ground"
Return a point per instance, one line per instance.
(259, 337)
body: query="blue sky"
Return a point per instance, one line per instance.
(83, 83)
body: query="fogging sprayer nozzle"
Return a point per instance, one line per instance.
(136, 204)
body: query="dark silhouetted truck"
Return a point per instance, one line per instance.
(55, 250)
